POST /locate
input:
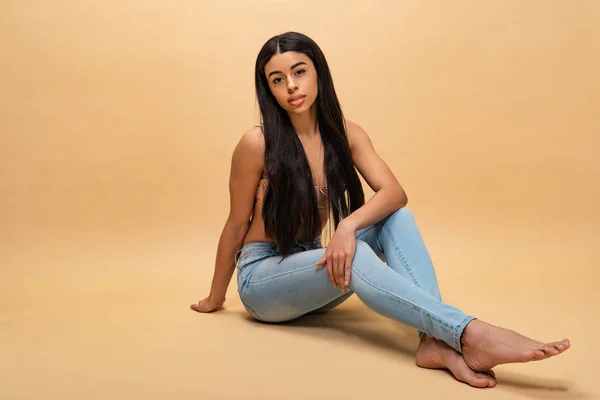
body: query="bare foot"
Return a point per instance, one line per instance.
(433, 353)
(485, 346)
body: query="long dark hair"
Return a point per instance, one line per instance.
(290, 203)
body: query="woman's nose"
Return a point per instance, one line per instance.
(291, 85)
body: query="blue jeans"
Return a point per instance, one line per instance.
(392, 274)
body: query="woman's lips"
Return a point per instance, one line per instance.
(297, 102)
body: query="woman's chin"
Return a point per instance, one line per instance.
(298, 110)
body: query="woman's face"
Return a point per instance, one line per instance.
(292, 78)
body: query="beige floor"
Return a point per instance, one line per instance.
(117, 122)
(110, 319)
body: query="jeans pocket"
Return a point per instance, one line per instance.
(247, 258)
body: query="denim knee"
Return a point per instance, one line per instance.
(400, 214)
(363, 253)
(361, 248)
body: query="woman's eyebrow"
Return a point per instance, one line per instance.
(292, 67)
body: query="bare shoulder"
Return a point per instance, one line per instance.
(252, 140)
(250, 149)
(357, 136)
(247, 164)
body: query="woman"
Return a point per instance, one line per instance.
(298, 171)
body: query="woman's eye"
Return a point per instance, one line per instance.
(299, 72)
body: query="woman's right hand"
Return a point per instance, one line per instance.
(207, 305)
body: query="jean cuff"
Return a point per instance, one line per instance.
(459, 331)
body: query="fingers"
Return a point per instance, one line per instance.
(206, 306)
(330, 272)
(338, 269)
(339, 262)
(334, 269)
(341, 273)
(330, 262)
(347, 270)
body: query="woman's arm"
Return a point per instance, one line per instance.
(247, 165)
(389, 197)
(230, 242)
(389, 194)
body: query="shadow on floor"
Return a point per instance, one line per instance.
(370, 329)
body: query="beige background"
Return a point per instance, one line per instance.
(117, 122)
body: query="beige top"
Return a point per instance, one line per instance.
(321, 191)
(256, 232)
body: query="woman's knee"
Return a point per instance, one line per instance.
(402, 214)
(364, 264)
(364, 255)
(362, 249)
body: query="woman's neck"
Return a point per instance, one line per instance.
(305, 124)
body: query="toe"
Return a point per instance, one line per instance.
(465, 374)
(482, 380)
(550, 351)
(560, 346)
(479, 381)
(491, 377)
(538, 355)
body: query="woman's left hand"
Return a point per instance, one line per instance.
(339, 255)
